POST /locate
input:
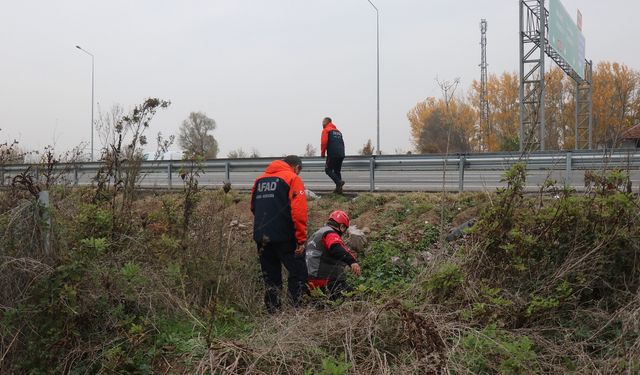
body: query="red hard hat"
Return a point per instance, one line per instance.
(340, 217)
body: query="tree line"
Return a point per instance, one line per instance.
(437, 122)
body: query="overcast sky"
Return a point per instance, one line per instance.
(267, 71)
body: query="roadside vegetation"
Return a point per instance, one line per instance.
(124, 281)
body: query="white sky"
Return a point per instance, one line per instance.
(267, 71)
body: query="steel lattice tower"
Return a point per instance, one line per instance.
(584, 110)
(485, 126)
(534, 45)
(533, 42)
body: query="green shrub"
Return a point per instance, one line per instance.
(444, 281)
(430, 236)
(230, 323)
(367, 202)
(131, 272)
(331, 366)
(385, 265)
(94, 221)
(93, 247)
(179, 337)
(489, 306)
(492, 350)
(587, 240)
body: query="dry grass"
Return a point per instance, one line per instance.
(371, 338)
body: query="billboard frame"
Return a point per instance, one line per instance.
(534, 46)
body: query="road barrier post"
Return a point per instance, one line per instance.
(461, 161)
(1, 175)
(372, 171)
(169, 175)
(76, 181)
(567, 172)
(227, 172)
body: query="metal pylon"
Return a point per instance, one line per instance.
(584, 108)
(533, 17)
(486, 130)
(533, 48)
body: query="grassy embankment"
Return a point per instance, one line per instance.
(170, 283)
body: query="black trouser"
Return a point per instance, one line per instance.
(272, 257)
(332, 168)
(335, 288)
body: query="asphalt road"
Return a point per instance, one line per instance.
(384, 180)
(392, 173)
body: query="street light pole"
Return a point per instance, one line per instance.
(92, 100)
(377, 74)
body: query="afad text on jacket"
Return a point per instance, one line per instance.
(279, 205)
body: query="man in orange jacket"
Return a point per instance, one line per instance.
(332, 144)
(279, 206)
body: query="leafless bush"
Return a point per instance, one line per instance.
(163, 145)
(9, 153)
(119, 175)
(53, 169)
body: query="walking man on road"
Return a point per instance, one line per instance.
(332, 145)
(279, 206)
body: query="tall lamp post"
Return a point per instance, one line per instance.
(377, 74)
(92, 101)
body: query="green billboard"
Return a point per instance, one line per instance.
(565, 37)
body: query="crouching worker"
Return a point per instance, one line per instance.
(327, 257)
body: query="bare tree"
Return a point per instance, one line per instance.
(309, 150)
(9, 153)
(367, 149)
(238, 153)
(194, 136)
(107, 125)
(163, 145)
(448, 90)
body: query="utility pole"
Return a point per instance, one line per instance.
(92, 99)
(377, 77)
(485, 131)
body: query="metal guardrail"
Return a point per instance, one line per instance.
(461, 172)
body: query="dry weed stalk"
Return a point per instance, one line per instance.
(373, 338)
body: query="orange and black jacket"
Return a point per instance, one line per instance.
(326, 257)
(331, 142)
(279, 205)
